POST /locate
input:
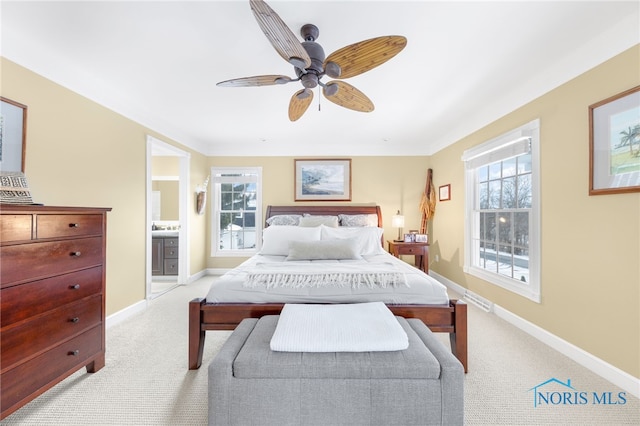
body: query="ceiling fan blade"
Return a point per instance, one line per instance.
(300, 101)
(279, 35)
(258, 80)
(347, 96)
(362, 56)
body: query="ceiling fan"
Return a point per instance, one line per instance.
(310, 64)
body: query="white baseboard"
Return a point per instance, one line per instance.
(140, 306)
(125, 313)
(602, 368)
(197, 276)
(217, 271)
(207, 272)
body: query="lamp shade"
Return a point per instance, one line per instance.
(397, 221)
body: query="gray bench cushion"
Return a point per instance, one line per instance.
(313, 399)
(256, 360)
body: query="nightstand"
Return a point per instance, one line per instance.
(420, 251)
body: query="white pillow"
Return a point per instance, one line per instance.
(276, 239)
(358, 219)
(325, 249)
(317, 220)
(369, 238)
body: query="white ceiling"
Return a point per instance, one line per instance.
(465, 65)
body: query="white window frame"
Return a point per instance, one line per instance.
(505, 146)
(216, 205)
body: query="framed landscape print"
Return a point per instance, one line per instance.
(614, 144)
(323, 180)
(13, 127)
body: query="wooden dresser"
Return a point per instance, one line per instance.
(52, 297)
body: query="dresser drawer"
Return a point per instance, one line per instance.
(171, 267)
(23, 301)
(68, 225)
(39, 260)
(171, 242)
(44, 331)
(15, 227)
(170, 252)
(406, 249)
(21, 382)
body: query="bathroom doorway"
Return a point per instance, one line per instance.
(167, 217)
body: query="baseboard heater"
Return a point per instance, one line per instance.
(480, 302)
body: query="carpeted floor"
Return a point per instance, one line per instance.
(146, 380)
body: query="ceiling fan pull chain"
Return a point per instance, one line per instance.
(319, 98)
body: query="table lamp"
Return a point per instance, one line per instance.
(397, 221)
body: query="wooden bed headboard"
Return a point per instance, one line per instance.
(324, 210)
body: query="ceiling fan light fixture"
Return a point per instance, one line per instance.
(309, 80)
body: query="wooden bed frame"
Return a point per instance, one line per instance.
(205, 316)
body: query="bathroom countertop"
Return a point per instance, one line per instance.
(164, 233)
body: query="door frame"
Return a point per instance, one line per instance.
(157, 147)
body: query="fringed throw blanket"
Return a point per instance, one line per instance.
(301, 275)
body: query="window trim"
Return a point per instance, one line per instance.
(532, 289)
(215, 212)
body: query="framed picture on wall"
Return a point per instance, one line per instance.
(13, 135)
(322, 180)
(444, 192)
(614, 144)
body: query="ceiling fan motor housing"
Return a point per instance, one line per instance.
(315, 71)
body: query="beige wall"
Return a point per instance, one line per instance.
(169, 198)
(163, 167)
(391, 182)
(82, 154)
(590, 261)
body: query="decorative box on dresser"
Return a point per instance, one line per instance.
(52, 297)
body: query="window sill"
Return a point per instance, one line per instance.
(526, 290)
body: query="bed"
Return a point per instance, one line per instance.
(232, 298)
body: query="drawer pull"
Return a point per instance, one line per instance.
(75, 320)
(74, 287)
(74, 353)
(76, 253)
(74, 225)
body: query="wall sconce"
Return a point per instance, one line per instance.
(201, 196)
(397, 221)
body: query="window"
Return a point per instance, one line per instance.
(237, 211)
(502, 229)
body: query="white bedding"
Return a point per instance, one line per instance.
(420, 289)
(356, 327)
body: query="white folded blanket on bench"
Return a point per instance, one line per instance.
(358, 327)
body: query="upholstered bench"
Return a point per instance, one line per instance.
(249, 384)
